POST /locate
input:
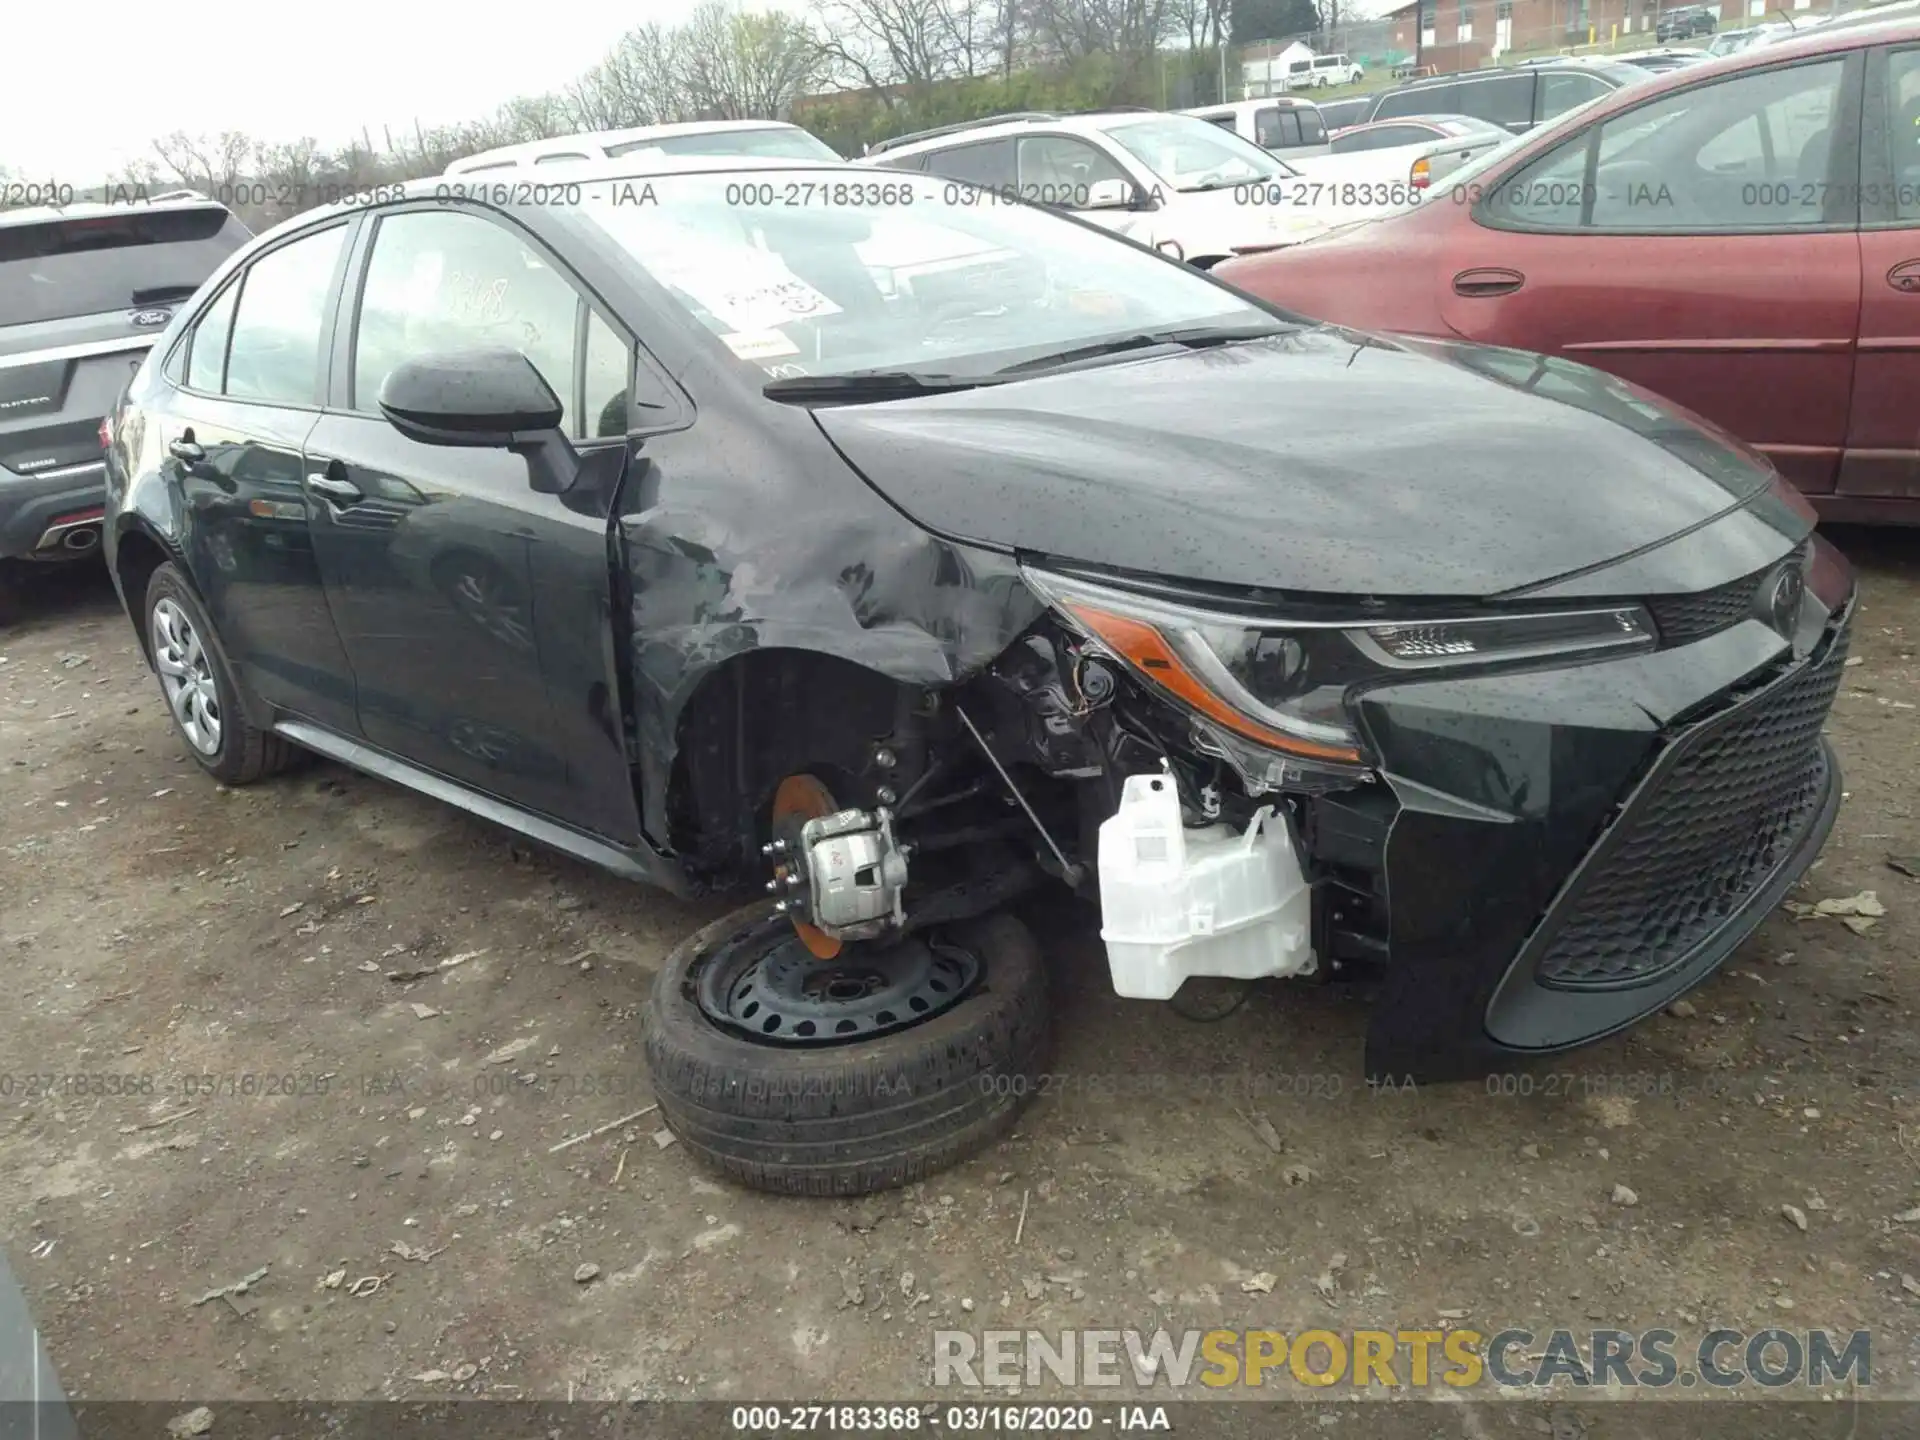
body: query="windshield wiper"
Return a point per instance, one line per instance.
(870, 384)
(1192, 337)
(1206, 185)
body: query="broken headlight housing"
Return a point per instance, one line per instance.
(1274, 694)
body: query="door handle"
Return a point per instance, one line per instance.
(1905, 277)
(1487, 281)
(338, 492)
(186, 451)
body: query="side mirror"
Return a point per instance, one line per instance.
(1112, 195)
(483, 399)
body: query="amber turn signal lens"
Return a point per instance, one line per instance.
(1144, 648)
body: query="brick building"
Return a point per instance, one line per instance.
(1463, 34)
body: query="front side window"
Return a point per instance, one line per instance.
(1061, 170)
(609, 382)
(440, 281)
(1743, 154)
(274, 351)
(940, 284)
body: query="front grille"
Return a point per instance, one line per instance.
(1682, 619)
(1715, 822)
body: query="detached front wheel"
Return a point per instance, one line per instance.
(872, 1069)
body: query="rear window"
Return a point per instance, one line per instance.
(57, 268)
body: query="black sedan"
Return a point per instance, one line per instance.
(898, 550)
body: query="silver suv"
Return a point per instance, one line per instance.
(85, 290)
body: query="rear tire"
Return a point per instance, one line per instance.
(219, 737)
(854, 1118)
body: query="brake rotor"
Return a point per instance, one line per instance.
(799, 799)
(784, 995)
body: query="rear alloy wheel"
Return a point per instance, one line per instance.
(873, 1068)
(197, 682)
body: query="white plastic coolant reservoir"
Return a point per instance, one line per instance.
(1176, 902)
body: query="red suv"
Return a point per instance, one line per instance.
(1742, 237)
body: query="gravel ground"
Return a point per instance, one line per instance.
(383, 1149)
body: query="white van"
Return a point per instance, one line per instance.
(763, 139)
(1322, 72)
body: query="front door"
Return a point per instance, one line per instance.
(1883, 435)
(474, 609)
(1694, 245)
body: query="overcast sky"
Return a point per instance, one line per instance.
(90, 83)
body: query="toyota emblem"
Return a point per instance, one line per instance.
(1780, 598)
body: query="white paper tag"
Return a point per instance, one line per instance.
(759, 344)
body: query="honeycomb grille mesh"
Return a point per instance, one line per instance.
(1682, 619)
(1722, 819)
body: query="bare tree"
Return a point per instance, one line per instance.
(642, 82)
(214, 165)
(1074, 29)
(740, 65)
(912, 42)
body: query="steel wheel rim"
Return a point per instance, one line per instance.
(769, 989)
(186, 676)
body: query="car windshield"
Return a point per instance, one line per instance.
(1189, 154)
(778, 142)
(813, 273)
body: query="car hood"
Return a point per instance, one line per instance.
(1323, 461)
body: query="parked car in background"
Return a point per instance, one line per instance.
(1517, 98)
(1659, 61)
(766, 139)
(1742, 238)
(1175, 182)
(1323, 72)
(1424, 149)
(1281, 124)
(1685, 22)
(1339, 114)
(85, 290)
(1732, 42)
(660, 535)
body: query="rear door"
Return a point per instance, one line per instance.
(1883, 434)
(1702, 244)
(82, 300)
(246, 382)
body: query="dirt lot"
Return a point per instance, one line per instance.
(292, 1107)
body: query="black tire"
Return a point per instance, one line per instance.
(246, 753)
(855, 1118)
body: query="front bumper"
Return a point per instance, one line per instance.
(1572, 850)
(33, 507)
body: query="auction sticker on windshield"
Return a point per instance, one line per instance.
(750, 295)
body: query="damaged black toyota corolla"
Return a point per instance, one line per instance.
(898, 551)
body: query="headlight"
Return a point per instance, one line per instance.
(1285, 685)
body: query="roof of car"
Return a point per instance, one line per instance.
(1094, 122)
(1832, 35)
(604, 139)
(91, 209)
